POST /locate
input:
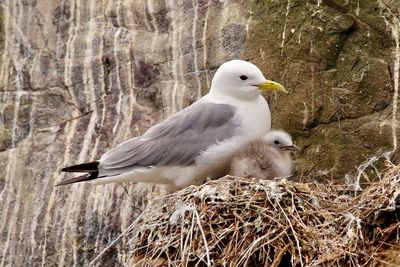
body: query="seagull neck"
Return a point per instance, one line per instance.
(228, 98)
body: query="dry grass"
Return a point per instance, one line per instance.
(242, 222)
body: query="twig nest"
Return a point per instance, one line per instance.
(247, 222)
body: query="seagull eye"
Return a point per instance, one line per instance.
(243, 77)
(276, 142)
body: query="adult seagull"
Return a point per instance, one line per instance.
(194, 143)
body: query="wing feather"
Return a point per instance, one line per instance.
(176, 141)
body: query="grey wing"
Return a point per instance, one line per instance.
(176, 141)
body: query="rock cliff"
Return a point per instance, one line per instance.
(78, 77)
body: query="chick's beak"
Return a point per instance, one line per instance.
(291, 147)
(271, 86)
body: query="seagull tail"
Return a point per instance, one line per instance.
(90, 167)
(82, 178)
(84, 167)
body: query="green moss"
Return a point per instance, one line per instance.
(336, 69)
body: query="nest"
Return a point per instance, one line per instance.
(246, 222)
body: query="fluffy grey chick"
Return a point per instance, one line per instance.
(265, 158)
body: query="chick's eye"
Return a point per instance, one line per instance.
(276, 142)
(243, 77)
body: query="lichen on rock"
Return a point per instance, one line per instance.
(79, 77)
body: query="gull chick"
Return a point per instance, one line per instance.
(265, 158)
(194, 143)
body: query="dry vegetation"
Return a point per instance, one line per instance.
(242, 222)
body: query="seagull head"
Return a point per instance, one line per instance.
(280, 139)
(243, 80)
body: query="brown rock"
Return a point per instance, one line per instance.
(77, 79)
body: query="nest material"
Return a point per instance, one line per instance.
(242, 222)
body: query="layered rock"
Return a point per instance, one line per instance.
(78, 77)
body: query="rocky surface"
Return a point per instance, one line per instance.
(339, 60)
(78, 77)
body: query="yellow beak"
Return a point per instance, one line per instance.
(272, 86)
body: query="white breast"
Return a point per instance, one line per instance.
(255, 121)
(254, 116)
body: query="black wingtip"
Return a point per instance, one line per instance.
(82, 178)
(84, 167)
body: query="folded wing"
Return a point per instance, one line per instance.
(176, 141)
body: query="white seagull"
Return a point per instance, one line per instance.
(265, 158)
(195, 143)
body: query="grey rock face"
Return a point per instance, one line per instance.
(78, 77)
